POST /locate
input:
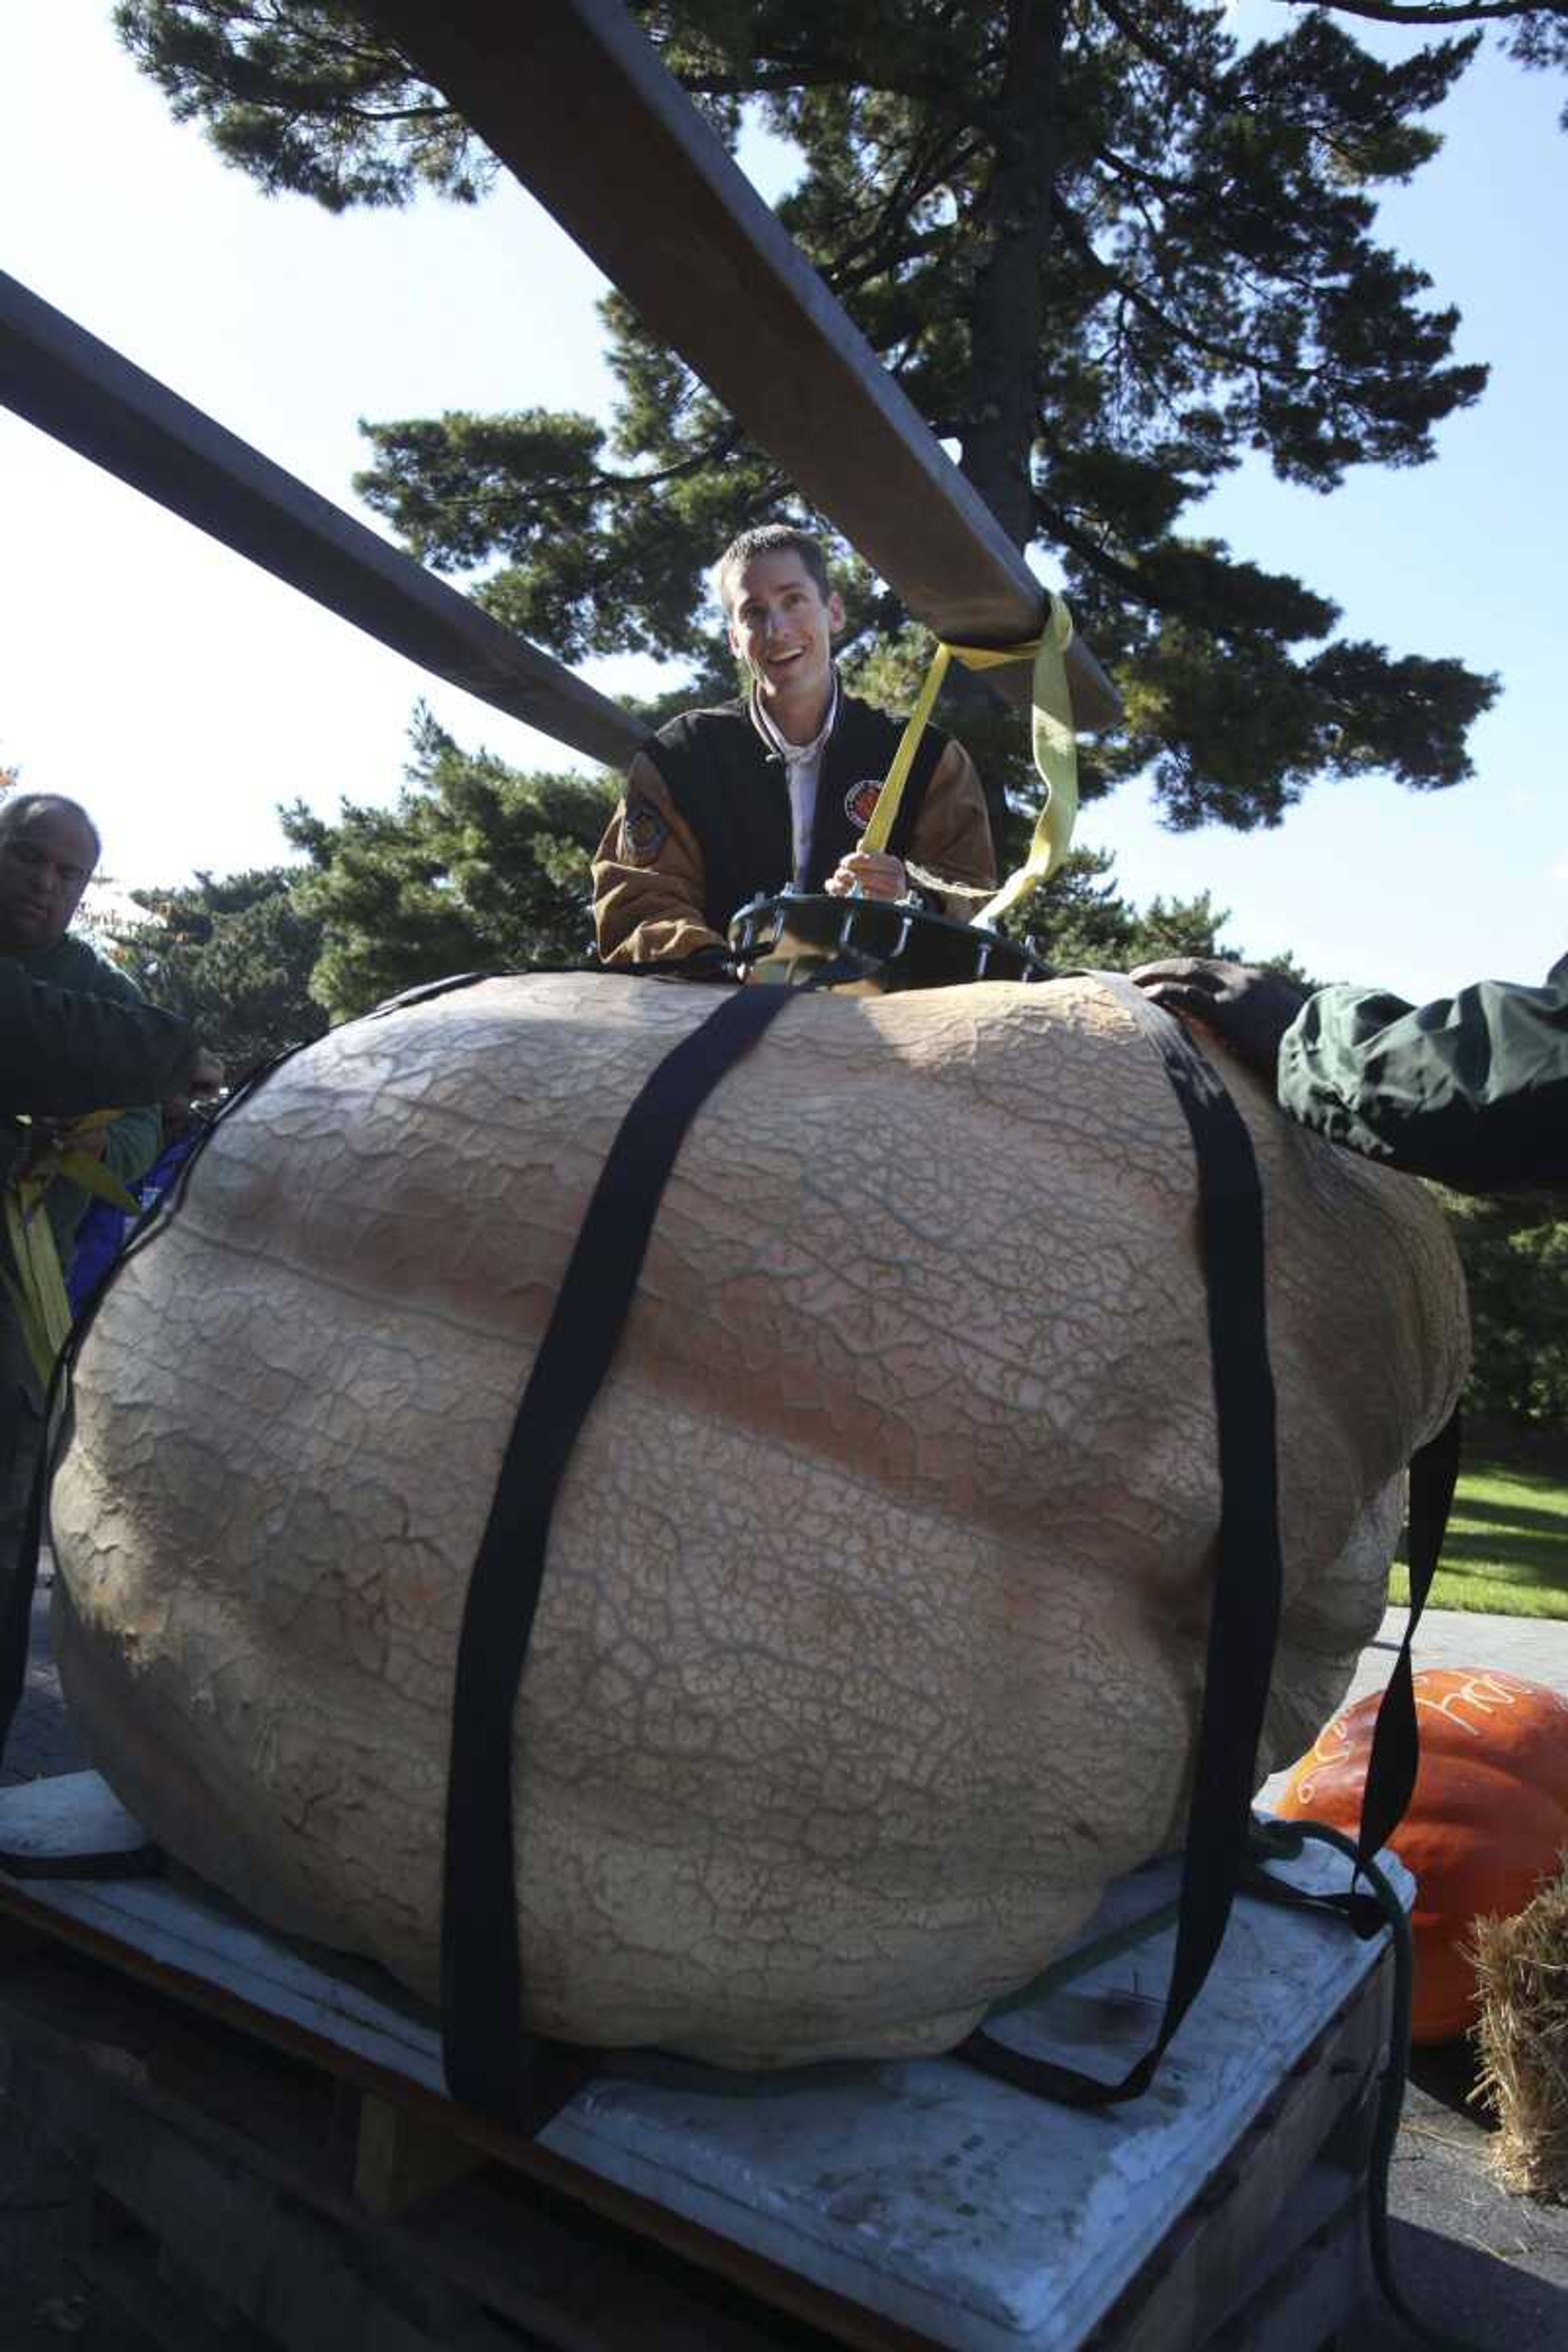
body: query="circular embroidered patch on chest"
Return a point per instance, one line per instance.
(860, 802)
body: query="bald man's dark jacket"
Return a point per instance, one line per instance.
(64, 1051)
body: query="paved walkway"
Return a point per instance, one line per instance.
(1536, 1647)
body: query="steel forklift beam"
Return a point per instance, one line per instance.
(72, 385)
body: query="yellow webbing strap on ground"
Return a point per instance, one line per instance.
(1054, 743)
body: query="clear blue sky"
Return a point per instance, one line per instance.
(182, 694)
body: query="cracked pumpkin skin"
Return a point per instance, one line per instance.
(870, 1645)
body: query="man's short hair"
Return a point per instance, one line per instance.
(17, 807)
(772, 539)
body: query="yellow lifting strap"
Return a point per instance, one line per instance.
(1053, 740)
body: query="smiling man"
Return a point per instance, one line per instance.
(775, 789)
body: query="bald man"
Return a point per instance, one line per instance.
(49, 848)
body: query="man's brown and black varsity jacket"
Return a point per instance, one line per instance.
(705, 825)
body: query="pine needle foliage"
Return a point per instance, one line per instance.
(1110, 252)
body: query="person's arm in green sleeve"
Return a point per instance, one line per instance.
(130, 1145)
(1472, 1088)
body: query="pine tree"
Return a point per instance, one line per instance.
(476, 869)
(1105, 249)
(1515, 1253)
(1082, 921)
(233, 955)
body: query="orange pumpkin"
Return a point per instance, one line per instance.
(1488, 1818)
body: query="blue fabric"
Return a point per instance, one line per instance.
(100, 1236)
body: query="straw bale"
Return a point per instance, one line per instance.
(1521, 2037)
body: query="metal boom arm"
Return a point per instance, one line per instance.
(65, 380)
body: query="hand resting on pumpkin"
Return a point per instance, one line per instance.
(1249, 1009)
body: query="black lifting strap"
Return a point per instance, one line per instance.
(492, 2063)
(1396, 1756)
(1396, 1744)
(1245, 1616)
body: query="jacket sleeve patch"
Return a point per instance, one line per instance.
(643, 832)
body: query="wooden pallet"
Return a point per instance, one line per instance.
(263, 2138)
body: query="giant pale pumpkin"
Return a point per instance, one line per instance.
(1488, 1819)
(871, 1642)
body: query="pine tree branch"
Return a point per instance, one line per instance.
(758, 82)
(1195, 85)
(347, 111)
(236, 75)
(893, 252)
(1242, 363)
(846, 72)
(1162, 60)
(885, 241)
(1121, 167)
(1128, 178)
(725, 445)
(1389, 12)
(1101, 562)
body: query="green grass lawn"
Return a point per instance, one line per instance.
(1507, 1547)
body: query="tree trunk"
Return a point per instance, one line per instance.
(1012, 219)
